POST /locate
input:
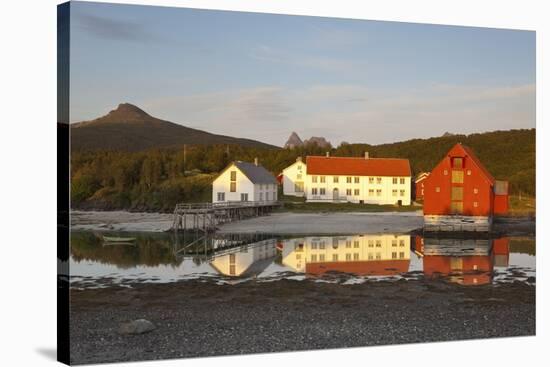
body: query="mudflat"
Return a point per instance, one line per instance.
(196, 319)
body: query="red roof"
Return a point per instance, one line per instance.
(354, 166)
(376, 267)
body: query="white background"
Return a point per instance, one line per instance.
(28, 181)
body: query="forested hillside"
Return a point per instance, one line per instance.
(157, 179)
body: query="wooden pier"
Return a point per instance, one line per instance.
(206, 217)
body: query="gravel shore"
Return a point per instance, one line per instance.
(196, 319)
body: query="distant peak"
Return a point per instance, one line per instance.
(128, 111)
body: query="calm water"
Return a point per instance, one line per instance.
(229, 259)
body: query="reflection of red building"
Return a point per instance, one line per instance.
(441, 258)
(382, 267)
(460, 185)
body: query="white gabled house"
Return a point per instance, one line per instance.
(244, 181)
(293, 178)
(365, 180)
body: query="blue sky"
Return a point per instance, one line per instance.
(262, 76)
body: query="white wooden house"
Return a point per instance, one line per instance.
(244, 181)
(294, 177)
(382, 181)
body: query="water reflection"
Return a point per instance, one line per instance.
(264, 257)
(359, 255)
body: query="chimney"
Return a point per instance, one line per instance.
(366, 155)
(299, 159)
(328, 154)
(256, 161)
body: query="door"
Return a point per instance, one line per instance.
(335, 194)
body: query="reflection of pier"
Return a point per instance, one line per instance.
(205, 217)
(207, 246)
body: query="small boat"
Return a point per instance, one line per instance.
(118, 239)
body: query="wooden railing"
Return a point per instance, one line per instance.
(224, 205)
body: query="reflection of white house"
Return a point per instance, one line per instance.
(294, 177)
(243, 181)
(361, 254)
(351, 179)
(246, 260)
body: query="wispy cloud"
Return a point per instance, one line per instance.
(113, 29)
(353, 113)
(266, 53)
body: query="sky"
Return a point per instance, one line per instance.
(262, 76)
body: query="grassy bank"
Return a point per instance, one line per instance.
(522, 206)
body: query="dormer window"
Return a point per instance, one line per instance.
(457, 162)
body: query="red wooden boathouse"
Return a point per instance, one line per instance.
(460, 194)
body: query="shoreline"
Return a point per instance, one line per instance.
(195, 319)
(287, 223)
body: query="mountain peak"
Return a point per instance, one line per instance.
(128, 112)
(293, 141)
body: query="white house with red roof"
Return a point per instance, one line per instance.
(383, 181)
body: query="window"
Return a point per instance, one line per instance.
(313, 191)
(402, 180)
(313, 258)
(233, 187)
(233, 175)
(394, 181)
(437, 189)
(456, 206)
(456, 193)
(371, 256)
(401, 255)
(221, 196)
(348, 192)
(356, 256)
(401, 243)
(299, 167)
(356, 244)
(394, 243)
(378, 256)
(322, 191)
(356, 179)
(457, 177)
(299, 176)
(475, 190)
(267, 196)
(371, 180)
(322, 257)
(378, 180)
(445, 172)
(348, 257)
(322, 245)
(394, 192)
(299, 187)
(314, 245)
(244, 197)
(378, 243)
(323, 179)
(475, 204)
(348, 244)
(394, 255)
(261, 196)
(458, 162)
(401, 192)
(298, 256)
(371, 192)
(378, 192)
(469, 172)
(348, 179)
(335, 179)
(371, 243)
(313, 178)
(334, 257)
(232, 269)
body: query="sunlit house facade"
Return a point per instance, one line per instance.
(244, 181)
(294, 178)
